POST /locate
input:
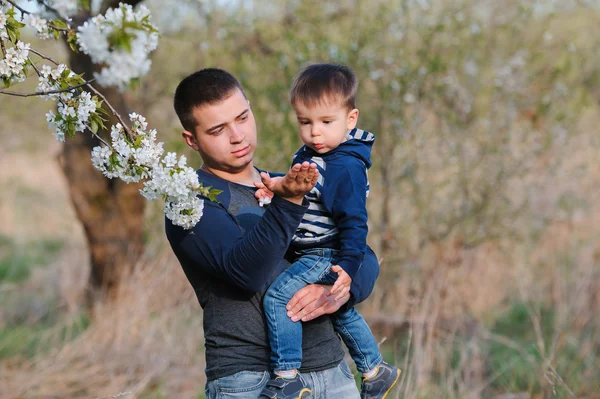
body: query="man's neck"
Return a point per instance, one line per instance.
(245, 177)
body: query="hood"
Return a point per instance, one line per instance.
(359, 145)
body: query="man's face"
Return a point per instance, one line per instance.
(225, 134)
(323, 127)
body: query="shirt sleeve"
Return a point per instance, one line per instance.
(218, 246)
(345, 198)
(364, 281)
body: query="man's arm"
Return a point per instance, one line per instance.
(247, 259)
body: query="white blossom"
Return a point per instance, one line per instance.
(39, 24)
(122, 63)
(3, 19)
(14, 63)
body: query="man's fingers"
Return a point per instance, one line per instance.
(336, 269)
(301, 299)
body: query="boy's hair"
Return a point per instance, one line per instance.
(324, 82)
(205, 87)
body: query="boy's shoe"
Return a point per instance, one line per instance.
(378, 386)
(286, 388)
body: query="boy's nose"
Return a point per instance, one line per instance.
(314, 131)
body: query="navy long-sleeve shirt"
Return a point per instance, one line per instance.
(230, 257)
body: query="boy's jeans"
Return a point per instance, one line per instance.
(334, 383)
(285, 336)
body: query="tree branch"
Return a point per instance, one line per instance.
(49, 7)
(34, 67)
(15, 5)
(25, 12)
(115, 4)
(44, 56)
(43, 93)
(114, 112)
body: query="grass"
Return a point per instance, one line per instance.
(18, 260)
(28, 340)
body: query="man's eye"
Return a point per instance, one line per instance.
(243, 118)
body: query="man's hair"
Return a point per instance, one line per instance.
(208, 86)
(324, 82)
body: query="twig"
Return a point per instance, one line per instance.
(120, 394)
(34, 67)
(25, 12)
(43, 93)
(114, 112)
(44, 56)
(15, 5)
(99, 138)
(50, 8)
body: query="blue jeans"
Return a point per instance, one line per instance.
(334, 383)
(285, 336)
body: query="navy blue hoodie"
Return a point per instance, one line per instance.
(337, 214)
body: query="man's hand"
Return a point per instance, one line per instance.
(342, 284)
(313, 301)
(298, 181)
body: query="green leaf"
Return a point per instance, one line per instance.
(85, 4)
(212, 194)
(56, 34)
(72, 40)
(59, 23)
(13, 35)
(94, 126)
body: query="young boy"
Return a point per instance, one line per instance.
(333, 231)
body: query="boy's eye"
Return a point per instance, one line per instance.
(327, 122)
(304, 122)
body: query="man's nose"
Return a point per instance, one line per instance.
(237, 134)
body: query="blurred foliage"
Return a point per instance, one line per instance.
(28, 340)
(18, 260)
(465, 97)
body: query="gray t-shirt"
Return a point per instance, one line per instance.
(234, 321)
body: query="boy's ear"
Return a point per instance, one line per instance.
(352, 119)
(190, 140)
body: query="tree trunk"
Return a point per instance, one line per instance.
(110, 211)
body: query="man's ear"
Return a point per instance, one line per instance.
(190, 140)
(352, 119)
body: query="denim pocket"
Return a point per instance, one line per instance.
(244, 381)
(345, 370)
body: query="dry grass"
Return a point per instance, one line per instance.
(150, 335)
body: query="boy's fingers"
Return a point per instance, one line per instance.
(342, 293)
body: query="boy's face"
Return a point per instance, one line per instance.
(323, 127)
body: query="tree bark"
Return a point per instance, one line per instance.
(111, 212)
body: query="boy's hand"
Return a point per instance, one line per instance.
(299, 180)
(263, 194)
(342, 284)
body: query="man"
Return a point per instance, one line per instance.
(237, 249)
